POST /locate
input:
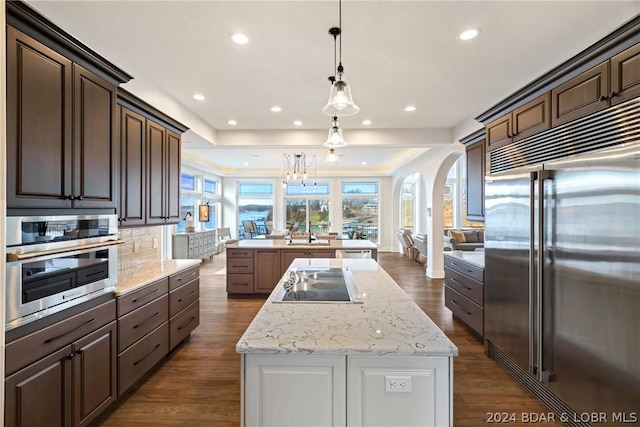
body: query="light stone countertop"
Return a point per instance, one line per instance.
(388, 322)
(148, 271)
(472, 257)
(302, 244)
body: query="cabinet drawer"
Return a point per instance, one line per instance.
(240, 266)
(183, 296)
(464, 268)
(466, 310)
(140, 297)
(34, 346)
(185, 276)
(181, 325)
(239, 253)
(142, 356)
(465, 285)
(140, 322)
(240, 283)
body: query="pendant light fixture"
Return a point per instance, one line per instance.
(340, 101)
(332, 157)
(294, 168)
(335, 138)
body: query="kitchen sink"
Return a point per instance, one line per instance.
(313, 243)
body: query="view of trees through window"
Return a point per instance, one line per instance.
(457, 176)
(408, 202)
(360, 210)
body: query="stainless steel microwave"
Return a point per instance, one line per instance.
(55, 262)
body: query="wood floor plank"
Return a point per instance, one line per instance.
(199, 383)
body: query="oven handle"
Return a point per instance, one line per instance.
(30, 255)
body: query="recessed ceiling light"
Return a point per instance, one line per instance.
(198, 96)
(468, 34)
(410, 108)
(276, 109)
(240, 38)
(245, 163)
(297, 123)
(232, 122)
(366, 122)
(363, 163)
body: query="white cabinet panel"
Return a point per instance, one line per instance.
(301, 390)
(421, 396)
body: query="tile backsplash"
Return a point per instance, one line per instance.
(142, 243)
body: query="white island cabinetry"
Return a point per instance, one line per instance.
(379, 363)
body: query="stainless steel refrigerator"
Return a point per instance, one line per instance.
(562, 271)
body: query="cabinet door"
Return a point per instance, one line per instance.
(266, 270)
(156, 135)
(173, 178)
(287, 257)
(475, 181)
(321, 253)
(94, 374)
(532, 117)
(582, 95)
(39, 118)
(625, 75)
(499, 132)
(278, 390)
(94, 142)
(425, 403)
(40, 394)
(132, 168)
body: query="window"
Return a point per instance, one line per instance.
(455, 198)
(310, 205)
(195, 190)
(408, 204)
(463, 196)
(255, 204)
(360, 210)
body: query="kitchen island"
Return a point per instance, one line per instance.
(273, 257)
(379, 362)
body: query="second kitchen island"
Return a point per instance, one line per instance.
(380, 362)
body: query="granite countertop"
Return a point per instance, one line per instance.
(388, 322)
(302, 244)
(472, 257)
(148, 271)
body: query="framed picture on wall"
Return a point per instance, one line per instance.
(203, 213)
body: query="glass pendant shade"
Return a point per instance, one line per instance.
(331, 156)
(335, 138)
(340, 102)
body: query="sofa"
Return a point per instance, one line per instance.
(408, 247)
(464, 240)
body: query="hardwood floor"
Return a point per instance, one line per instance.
(199, 384)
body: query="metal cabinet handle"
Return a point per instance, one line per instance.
(461, 307)
(49, 340)
(146, 296)
(188, 321)
(146, 321)
(184, 298)
(193, 273)
(603, 98)
(146, 355)
(612, 94)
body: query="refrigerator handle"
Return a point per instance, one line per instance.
(543, 176)
(533, 219)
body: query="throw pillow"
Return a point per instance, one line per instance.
(471, 236)
(457, 235)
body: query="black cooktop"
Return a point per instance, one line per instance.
(315, 285)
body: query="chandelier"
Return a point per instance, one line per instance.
(340, 101)
(295, 169)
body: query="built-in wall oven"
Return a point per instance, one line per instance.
(55, 262)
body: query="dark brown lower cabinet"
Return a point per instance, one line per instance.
(69, 387)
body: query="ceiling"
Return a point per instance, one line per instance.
(395, 53)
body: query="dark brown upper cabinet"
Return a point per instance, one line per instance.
(625, 75)
(475, 145)
(527, 120)
(150, 154)
(163, 175)
(475, 181)
(61, 142)
(582, 95)
(133, 194)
